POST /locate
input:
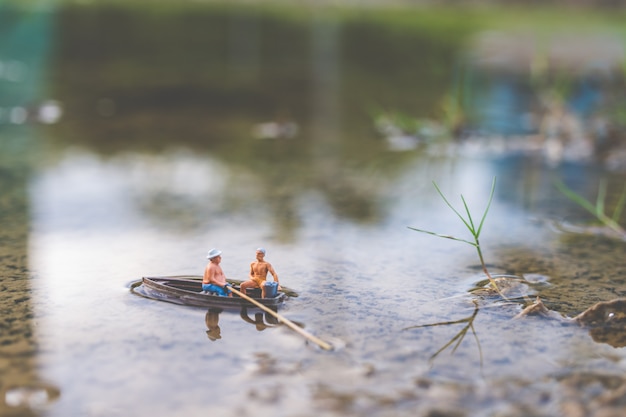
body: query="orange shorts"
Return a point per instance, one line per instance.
(259, 282)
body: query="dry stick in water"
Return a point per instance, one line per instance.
(290, 324)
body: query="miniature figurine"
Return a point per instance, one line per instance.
(258, 273)
(214, 279)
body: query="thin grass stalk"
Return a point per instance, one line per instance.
(601, 197)
(493, 190)
(469, 218)
(452, 207)
(469, 223)
(617, 213)
(598, 209)
(485, 270)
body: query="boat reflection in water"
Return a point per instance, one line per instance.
(187, 290)
(212, 320)
(261, 321)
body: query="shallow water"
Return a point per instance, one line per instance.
(360, 287)
(87, 216)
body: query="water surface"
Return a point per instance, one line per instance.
(155, 162)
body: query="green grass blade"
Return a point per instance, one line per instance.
(597, 211)
(482, 221)
(578, 199)
(469, 217)
(443, 236)
(617, 213)
(601, 197)
(451, 207)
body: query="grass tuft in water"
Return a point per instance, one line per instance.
(471, 226)
(598, 210)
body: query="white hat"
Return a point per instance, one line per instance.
(261, 250)
(213, 253)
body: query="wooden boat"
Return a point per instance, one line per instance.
(187, 290)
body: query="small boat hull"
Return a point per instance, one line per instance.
(187, 290)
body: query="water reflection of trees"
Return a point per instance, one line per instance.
(138, 90)
(237, 68)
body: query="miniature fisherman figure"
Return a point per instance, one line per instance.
(258, 273)
(214, 279)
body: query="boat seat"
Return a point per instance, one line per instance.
(254, 292)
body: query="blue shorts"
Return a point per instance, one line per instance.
(222, 292)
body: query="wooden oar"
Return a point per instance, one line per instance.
(290, 324)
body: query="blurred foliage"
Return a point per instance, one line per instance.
(146, 74)
(179, 73)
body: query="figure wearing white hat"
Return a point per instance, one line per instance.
(214, 279)
(258, 273)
